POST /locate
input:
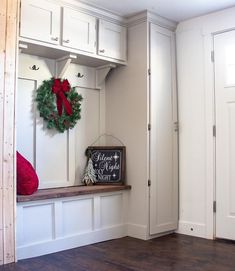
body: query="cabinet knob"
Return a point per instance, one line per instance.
(55, 38)
(102, 51)
(66, 41)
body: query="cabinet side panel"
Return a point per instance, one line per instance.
(126, 118)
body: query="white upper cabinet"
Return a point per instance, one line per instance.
(40, 20)
(112, 40)
(79, 30)
(47, 23)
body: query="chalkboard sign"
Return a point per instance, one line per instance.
(108, 163)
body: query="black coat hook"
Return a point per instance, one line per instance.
(79, 75)
(34, 68)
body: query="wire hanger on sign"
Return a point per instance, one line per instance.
(107, 135)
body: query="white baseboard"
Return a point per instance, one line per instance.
(193, 229)
(137, 231)
(47, 247)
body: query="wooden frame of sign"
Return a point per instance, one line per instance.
(109, 163)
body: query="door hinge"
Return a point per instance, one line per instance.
(176, 126)
(149, 72)
(149, 127)
(149, 182)
(214, 206)
(214, 130)
(212, 56)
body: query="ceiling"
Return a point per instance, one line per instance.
(176, 10)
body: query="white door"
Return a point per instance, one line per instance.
(163, 134)
(224, 46)
(112, 40)
(79, 31)
(40, 20)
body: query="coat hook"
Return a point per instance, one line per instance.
(34, 68)
(79, 75)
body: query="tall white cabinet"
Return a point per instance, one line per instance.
(163, 139)
(141, 109)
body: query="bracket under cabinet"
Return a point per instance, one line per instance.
(101, 74)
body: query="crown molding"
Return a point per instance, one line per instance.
(99, 13)
(147, 16)
(110, 16)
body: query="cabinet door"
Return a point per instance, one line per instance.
(112, 40)
(40, 20)
(163, 134)
(79, 30)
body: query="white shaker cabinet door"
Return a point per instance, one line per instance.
(79, 31)
(163, 134)
(112, 40)
(40, 20)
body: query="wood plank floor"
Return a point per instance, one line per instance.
(169, 253)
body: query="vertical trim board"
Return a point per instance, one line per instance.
(8, 20)
(2, 72)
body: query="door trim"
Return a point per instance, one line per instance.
(209, 86)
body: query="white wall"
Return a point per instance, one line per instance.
(195, 95)
(192, 154)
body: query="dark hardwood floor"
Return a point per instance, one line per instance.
(169, 253)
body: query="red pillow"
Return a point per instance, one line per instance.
(27, 179)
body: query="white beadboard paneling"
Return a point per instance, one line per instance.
(54, 152)
(25, 119)
(58, 157)
(77, 216)
(111, 210)
(38, 225)
(88, 128)
(52, 161)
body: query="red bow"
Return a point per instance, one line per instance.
(59, 88)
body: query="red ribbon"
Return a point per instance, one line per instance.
(59, 88)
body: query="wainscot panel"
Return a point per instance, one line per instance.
(51, 225)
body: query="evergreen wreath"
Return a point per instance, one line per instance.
(59, 104)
